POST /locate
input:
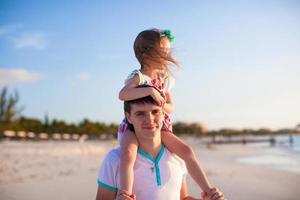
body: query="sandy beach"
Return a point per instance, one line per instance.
(68, 170)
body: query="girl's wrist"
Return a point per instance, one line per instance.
(150, 91)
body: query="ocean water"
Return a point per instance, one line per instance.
(282, 156)
(295, 146)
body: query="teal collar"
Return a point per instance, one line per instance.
(155, 161)
(146, 155)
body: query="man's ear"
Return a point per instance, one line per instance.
(127, 115)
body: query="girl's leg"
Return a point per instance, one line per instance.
(129, 146)
(186, 153)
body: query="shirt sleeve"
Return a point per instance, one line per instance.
(169, 84)
(184, 170)
(133, 74)
(182, 165)
(107, 176)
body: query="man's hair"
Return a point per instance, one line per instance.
(139, 101)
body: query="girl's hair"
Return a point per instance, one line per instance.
(147, 47)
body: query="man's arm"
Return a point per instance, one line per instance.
(107, 187)
(184, 192)
(105, 194)
(215, 193)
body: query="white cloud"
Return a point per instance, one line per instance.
(9, 28)
(13, 76)
(76, 79)
(36, 40)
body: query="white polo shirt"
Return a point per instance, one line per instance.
(154, 179)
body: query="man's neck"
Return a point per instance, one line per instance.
(151, 147)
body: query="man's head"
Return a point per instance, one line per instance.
(145, 116)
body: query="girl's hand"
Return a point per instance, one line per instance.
(213, 194)
(156, 95)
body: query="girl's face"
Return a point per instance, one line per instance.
(165, 44)
(158, 62)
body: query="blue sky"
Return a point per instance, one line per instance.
(240, 60)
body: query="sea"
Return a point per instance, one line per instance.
(283, 155)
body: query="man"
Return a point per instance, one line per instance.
(158, 174)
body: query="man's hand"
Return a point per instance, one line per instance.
(122, 195)
(213, 194)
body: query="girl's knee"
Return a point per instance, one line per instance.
(188, 151)
(128, 154)
(128, 138)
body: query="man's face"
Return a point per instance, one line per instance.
(146, 120)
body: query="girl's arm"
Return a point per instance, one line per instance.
(168, 106)
(131, 92)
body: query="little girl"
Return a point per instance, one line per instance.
(152, 49)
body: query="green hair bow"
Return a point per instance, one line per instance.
(167, 33)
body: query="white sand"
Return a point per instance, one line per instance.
(68, 170)
(241, 181)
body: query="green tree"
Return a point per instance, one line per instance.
(28, 124)
(8, 106)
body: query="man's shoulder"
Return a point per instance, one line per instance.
(111, 162)
(171, 155)
(113, 156)
(175, 159)
(107, 176)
